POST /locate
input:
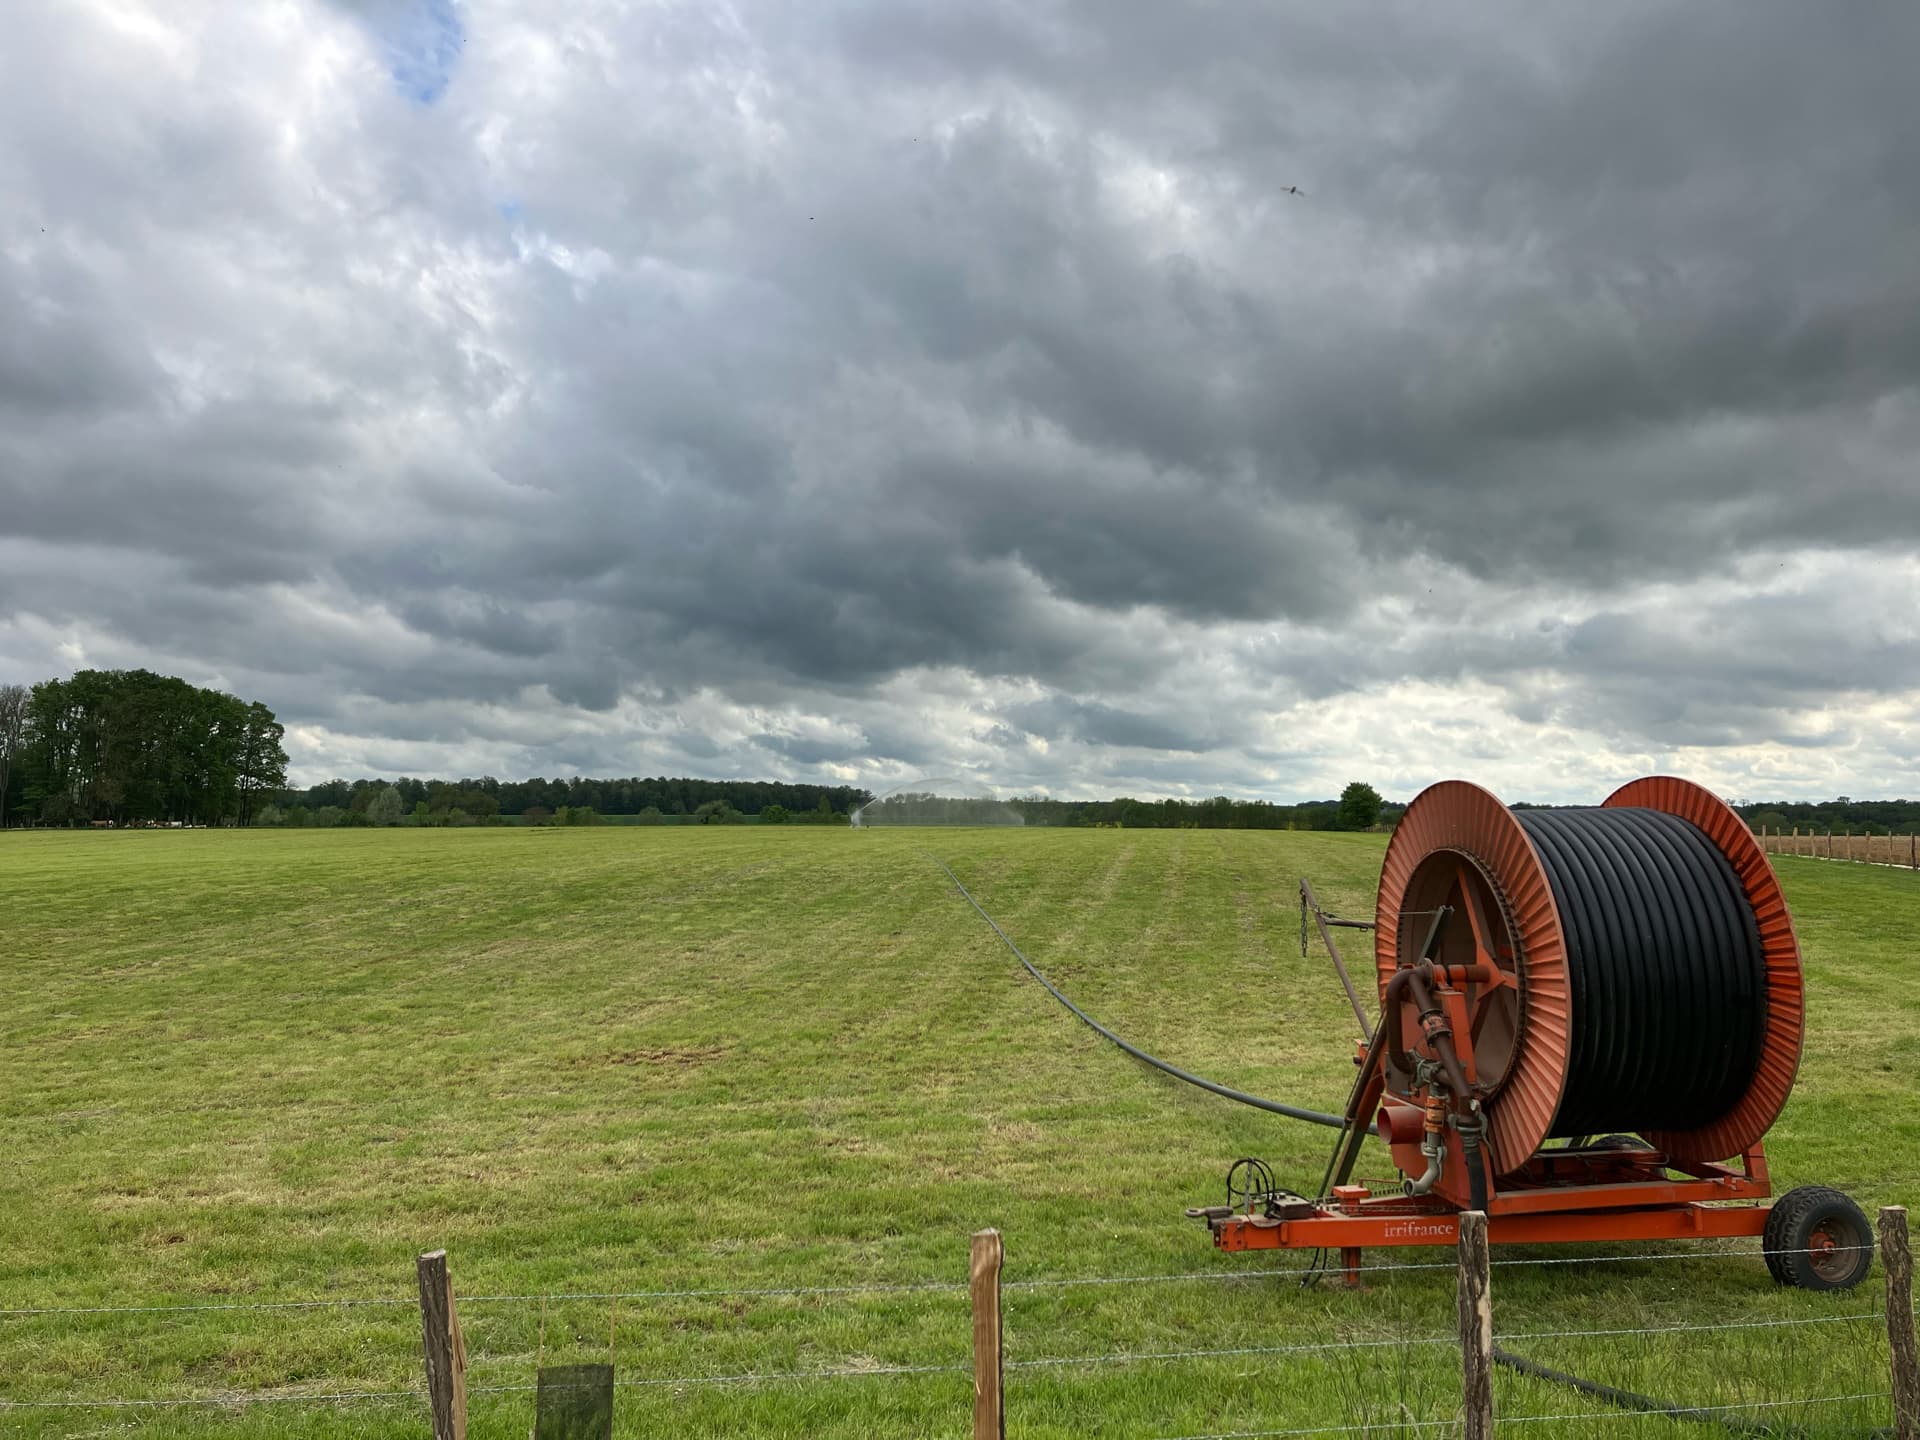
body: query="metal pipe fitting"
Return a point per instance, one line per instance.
(1434, 1147)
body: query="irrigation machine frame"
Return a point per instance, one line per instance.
(1420, 1083)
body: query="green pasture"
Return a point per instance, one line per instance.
(240, 1068)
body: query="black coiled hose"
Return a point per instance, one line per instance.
(1665, 965)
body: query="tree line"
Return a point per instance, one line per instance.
(1842, 816)
(684, 800)
(132, 747)
(1358, 808)
(563, 801)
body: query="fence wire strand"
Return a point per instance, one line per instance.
(256, 1397)
(903, 1288)
(1679, 1412)
(1682, 1329)
(858, 1372)
(1135, 1356)
(533, 1299)
(197, 1309)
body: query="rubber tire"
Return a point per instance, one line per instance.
(1619, 1142)
(1796, 1218)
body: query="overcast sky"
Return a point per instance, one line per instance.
(863, 389)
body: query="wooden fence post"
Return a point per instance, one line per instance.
(446, 1350)
(1913, 853)
(989, 1406)
(1476, 1326)
(1896, 1258)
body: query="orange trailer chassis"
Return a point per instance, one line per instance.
(1560, 1197)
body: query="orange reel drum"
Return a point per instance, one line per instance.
(1603, 935)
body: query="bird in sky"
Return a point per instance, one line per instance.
(1294, 190)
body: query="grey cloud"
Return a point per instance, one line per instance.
(792, 355)
(1099, 724)
(806, 751)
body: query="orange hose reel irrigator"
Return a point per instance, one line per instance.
(1589, 1020)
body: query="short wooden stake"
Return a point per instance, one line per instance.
(1896, 1257)
(446, 1350)
(1476, 1326)
(989, 1406)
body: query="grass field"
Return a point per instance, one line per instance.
(252, 1067)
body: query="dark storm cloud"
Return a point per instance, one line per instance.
(808, 751)
(958, 387)
(1061, 718)
(1639, 226)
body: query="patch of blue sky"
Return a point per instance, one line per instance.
(423, 39)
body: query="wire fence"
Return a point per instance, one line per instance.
(1902, 852)
(913, 1287)
(1679, 1412)
(869, 1372)
(1014, 1366)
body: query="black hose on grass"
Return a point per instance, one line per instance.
(1292, 1112)
(1646, 1404)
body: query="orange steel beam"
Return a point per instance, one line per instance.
(1626, 1196)
(1356, 1232)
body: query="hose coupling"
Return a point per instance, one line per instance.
(1433, 1145)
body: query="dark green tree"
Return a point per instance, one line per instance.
(13, 729)
(386, 808)
(263, 760)
(1360, 806)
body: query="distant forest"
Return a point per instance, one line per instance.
(689, 801)
(571, 801)
(133, 747)
(1843, 816)
(665, 801)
